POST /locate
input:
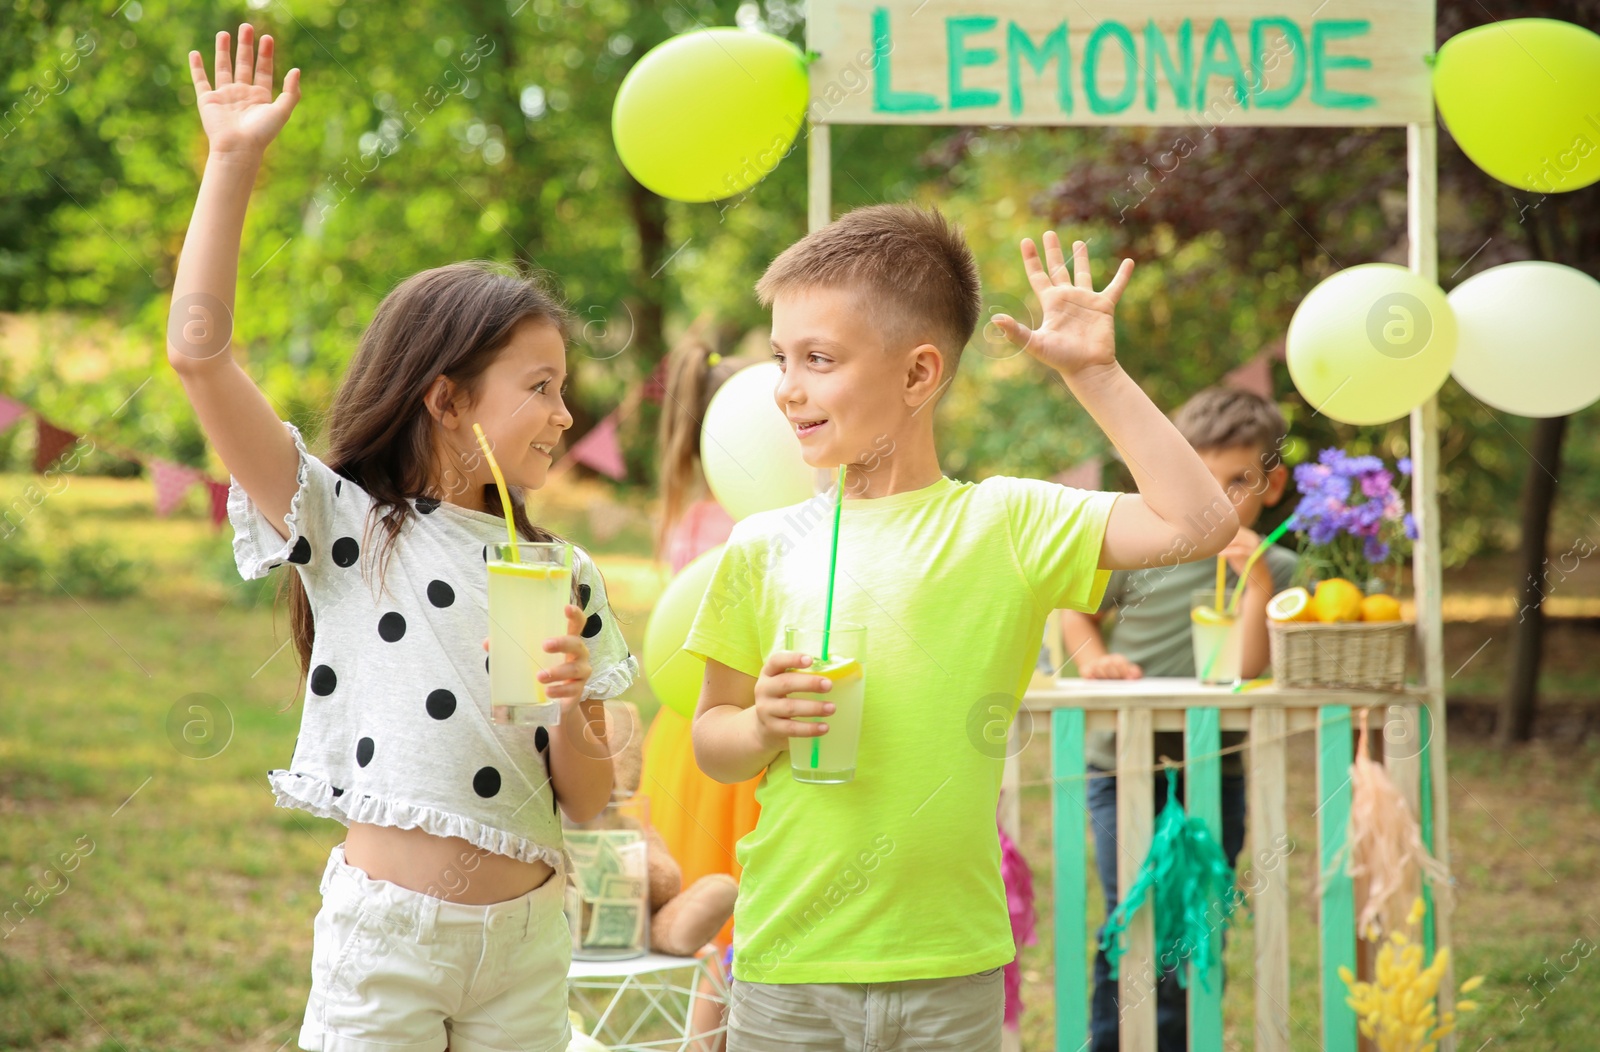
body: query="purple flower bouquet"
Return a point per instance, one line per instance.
(1351, 519)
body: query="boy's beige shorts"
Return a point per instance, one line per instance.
(963, 1014)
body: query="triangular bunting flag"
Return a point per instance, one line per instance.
(655, 387)
(219, 501)
(600, 449)
(53, 442)
(1254, 376)
(10, 412)
(1086, 475)
(172, 481)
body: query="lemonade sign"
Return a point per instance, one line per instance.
(1304, 62)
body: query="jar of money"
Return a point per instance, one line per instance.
(608, 882)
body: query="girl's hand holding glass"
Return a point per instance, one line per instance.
(566, 681)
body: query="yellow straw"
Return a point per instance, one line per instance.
(1222, 579)
(505, 496)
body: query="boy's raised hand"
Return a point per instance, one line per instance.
(240, 115)
(1077, 331)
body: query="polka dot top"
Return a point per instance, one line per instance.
(396, 727)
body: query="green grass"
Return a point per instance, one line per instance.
(186, 920)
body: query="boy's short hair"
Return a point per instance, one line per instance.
(913, 265)
(1226, 418)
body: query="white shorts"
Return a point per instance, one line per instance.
(394, 970)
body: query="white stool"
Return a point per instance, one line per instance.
(646, 1004)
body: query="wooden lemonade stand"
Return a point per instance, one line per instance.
(1184, 63)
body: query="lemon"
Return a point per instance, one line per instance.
(537, 571)
(1336, 600)
(1291, 604)
(1210, 615)
(1380, 608)
(834, 669)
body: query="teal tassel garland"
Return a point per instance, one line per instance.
(1193, 892)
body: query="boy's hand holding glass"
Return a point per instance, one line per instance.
(776, 711)
(1077, 332)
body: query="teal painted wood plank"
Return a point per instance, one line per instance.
(1202, 792)
(1425, 820)
(1337, 908)
(1069, 808)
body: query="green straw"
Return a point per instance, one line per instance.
(505, 497)
(1238, 591)
(1250, 563)
(827, 617)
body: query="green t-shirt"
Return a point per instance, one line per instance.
(1152, 630)
(896, 875)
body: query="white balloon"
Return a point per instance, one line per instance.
(1529, 338)
(748, 449)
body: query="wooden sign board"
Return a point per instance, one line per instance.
(1151, 62)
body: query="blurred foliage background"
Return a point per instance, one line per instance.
(430, 133)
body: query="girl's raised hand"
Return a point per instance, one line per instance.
(240, 115)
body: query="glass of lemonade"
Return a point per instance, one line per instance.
(527, 601)
(831, 758)
(1216, 639)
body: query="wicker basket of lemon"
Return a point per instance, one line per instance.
(1353, 526)
(1337, 637)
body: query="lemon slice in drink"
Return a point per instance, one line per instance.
(537, 571)
(834, 669)
(1210, 615)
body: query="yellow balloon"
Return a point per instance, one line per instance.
(1371, 343)
(673, 673)
(1522, 98)
(748, 449)
(706, 115)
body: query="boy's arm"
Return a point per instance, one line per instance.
(1179, 509)
(744, 723)
(240, 119)
(1081, 635)
(1258, 589)
(1087, 649)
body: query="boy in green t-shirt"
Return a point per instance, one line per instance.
(1240, 437)
(873, 912)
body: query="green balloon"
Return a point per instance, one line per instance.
(1371, 343)
(1522, 98)
(673, 673)
(707, 114)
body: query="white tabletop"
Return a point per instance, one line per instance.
(1183, 691)
(650, 962)
(1166, 686)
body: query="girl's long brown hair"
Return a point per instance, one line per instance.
(451, 321)
(692, 378)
